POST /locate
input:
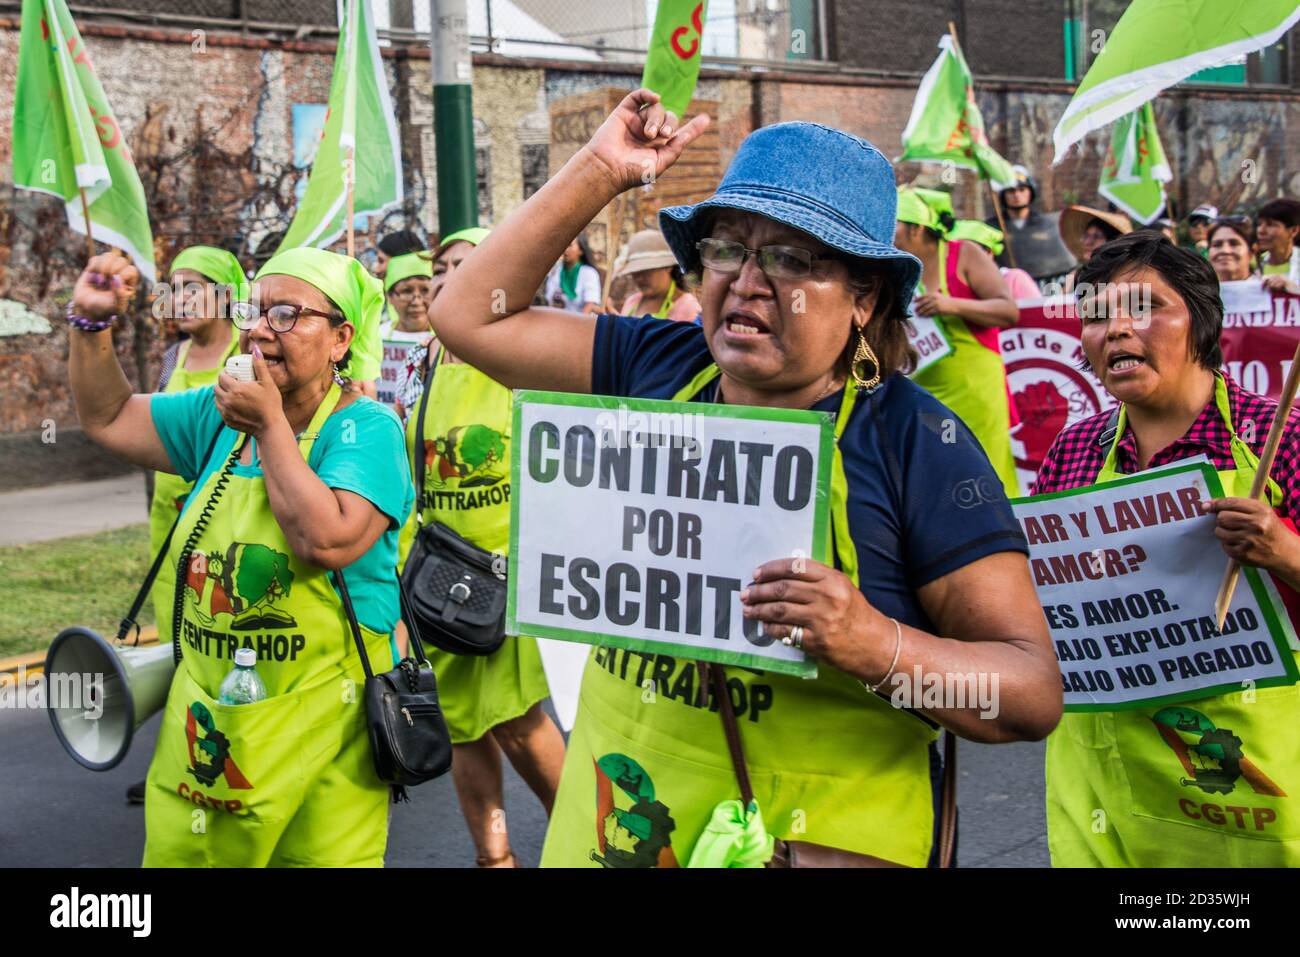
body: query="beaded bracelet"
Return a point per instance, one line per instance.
(88, 325)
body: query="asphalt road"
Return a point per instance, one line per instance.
(54, 813)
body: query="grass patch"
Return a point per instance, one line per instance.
(86, 580)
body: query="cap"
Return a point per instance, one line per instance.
(245, 657)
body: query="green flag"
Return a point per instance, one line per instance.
(946, 125)
(360, 118)
(66, 138)
(1136, 170)
(672, 63)
(1158, 43)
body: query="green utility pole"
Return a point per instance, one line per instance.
(453, 117)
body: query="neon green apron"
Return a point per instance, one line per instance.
(289, 780)
(1207, 783)
(972, 381)
(647, 762)
(169, 490)
(467, 488)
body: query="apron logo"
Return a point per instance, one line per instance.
(468, 456)
(244, 583)
(638, 835)
(1212, 757)
(210, 755)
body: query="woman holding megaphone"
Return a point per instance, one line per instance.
(303, 481)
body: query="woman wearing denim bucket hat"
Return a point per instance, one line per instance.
(802, 305)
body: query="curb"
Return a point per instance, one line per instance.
(34, 661)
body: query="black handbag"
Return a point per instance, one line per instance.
(455, 591)
(409, 740)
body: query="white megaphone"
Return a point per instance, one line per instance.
(98, 693)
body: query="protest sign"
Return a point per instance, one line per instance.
(1126, 572)
(636, 523)
(392, 368)
(1052, 388)
(926, 335)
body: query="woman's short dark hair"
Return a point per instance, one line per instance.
(401, 243)
(1190, 275)
(886, 333)
(1284, 211)
(1240, 225)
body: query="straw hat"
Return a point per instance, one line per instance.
(645, 250)
(1074, 222)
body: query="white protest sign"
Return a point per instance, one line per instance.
(1127, 572)
(927, 336)
(635, 523)
(391, 369)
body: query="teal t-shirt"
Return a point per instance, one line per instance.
(360, 449)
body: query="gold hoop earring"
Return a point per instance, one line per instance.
(863, 355)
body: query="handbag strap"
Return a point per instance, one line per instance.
(142, 595)
(948, 793)
(417, 447)
(352, 622)
(412, 629)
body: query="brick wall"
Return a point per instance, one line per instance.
(212, 134)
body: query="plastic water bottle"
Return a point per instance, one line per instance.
(242, 685)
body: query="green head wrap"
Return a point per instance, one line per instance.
(913, 209)
(215, 265)
(472, 235)
(404, 267)
(990, 237)
(358, 295)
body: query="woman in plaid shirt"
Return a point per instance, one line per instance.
(1117, 768)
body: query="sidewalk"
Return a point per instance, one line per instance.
(73, 508)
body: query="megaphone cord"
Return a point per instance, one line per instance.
(178, 602)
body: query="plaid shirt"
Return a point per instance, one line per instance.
(1076, 457)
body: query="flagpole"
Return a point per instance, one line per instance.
(352, 236)
(90, 239)
(997, 203)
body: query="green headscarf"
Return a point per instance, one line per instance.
(215, 265)
(358, 295)
(913, 209)
(472, 235)
(990, 237)
(404, 267)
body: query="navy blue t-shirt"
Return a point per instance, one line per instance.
(923, 499)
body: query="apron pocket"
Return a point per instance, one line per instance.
(238, 760)
(1226, 765)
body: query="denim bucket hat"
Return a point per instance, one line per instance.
(827, 183)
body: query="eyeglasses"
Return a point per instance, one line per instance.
(281, 318)
(411, 292)
(777, 262)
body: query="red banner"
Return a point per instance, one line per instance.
(1052, 386)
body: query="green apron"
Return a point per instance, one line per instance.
(1206, 783)
(972, 381)
(169, 490)
(289, 780)
(467, 488)
(647, 762)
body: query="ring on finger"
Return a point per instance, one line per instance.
(796, 636)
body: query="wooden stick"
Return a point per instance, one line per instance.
(90, 239)
(1008, 245)
(352, 236)
(1257, 487)
(997, 203)
(617, 209)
